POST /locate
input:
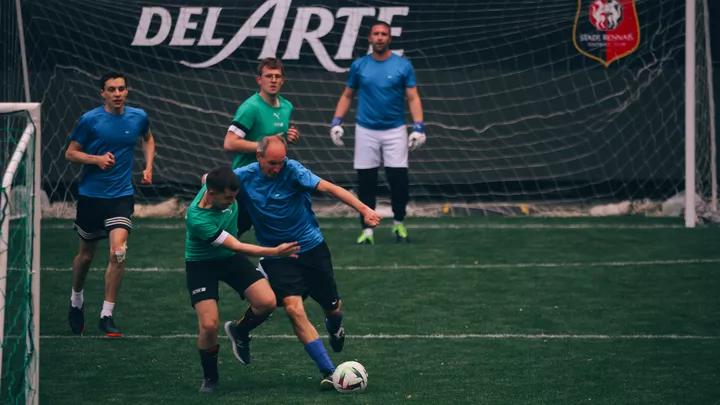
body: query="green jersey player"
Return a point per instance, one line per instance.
(211, 255)
(265, 113)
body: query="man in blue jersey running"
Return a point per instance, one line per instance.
(382, 80)
(103, 141)
(276, 191)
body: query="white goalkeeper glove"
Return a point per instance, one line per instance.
(417, 137)
(337, 132)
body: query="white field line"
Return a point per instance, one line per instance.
(480, 266)
(386, 336)
(354, 226)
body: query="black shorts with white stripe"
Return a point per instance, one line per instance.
(96, 217)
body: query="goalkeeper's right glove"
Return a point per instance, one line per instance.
(336, 132)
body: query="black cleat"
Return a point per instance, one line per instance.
(326, 383)
(76, 319)
(107, 325)
(209, 386)
(240, 342)
(337, 340)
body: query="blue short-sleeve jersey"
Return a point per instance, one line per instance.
(281, 207)
(100, 132)
(381, 86)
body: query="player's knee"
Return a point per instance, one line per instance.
(118, 253)
(209, 326)
(85, 257)
(295, 310)
(266, 306)
(335, 308)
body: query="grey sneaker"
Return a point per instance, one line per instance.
(209, 386)
(240, 343)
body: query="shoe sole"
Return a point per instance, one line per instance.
(114, 335)
(326, 385)
(229, 334)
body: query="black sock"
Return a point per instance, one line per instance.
(249, 321)
(367, 188)
(397, 178)
(209, 361)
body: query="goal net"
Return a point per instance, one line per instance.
(19, 254)
(549, 107)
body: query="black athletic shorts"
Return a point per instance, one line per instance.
(311, 274)
(96, 217)
(244, 222)
(203, 277)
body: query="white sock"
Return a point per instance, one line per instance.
(368, 231)
(396, 222)
(107, 309)
(76, 299)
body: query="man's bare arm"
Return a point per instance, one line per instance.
(235, 143)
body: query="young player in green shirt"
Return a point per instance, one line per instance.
(265, 113)
(211, 255)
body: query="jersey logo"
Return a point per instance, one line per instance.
(389, 77)
(277, 115)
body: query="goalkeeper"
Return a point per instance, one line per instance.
(210, 257)
(382, 80)
(263, 114)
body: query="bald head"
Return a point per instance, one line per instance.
(271, 154)
(271, 142)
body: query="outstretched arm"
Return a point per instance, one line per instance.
(371, 217)
(286, 249)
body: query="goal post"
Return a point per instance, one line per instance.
(20, 216)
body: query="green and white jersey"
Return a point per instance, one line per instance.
(256, 119)
(206, 229)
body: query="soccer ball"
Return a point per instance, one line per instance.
(350, 377)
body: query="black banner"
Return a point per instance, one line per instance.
(513, 110)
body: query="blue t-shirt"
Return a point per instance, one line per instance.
(381, 85)
(281, 208)
(100, 132)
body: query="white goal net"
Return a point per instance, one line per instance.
(529, 104)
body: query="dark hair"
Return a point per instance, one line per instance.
(111, 75)
(270, 63)
(221, 179)
(383, 23)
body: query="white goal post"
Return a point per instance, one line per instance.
(28, 142)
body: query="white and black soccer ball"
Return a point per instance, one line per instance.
(350, 377)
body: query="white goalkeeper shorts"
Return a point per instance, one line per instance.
(388, 147)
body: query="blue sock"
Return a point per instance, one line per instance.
(317, 352)
(333, 323)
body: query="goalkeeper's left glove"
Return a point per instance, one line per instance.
(417, 137)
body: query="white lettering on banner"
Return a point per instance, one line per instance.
(178, 38)
(206, 39)
(352, 28)
(188, 22)
(141, 34)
